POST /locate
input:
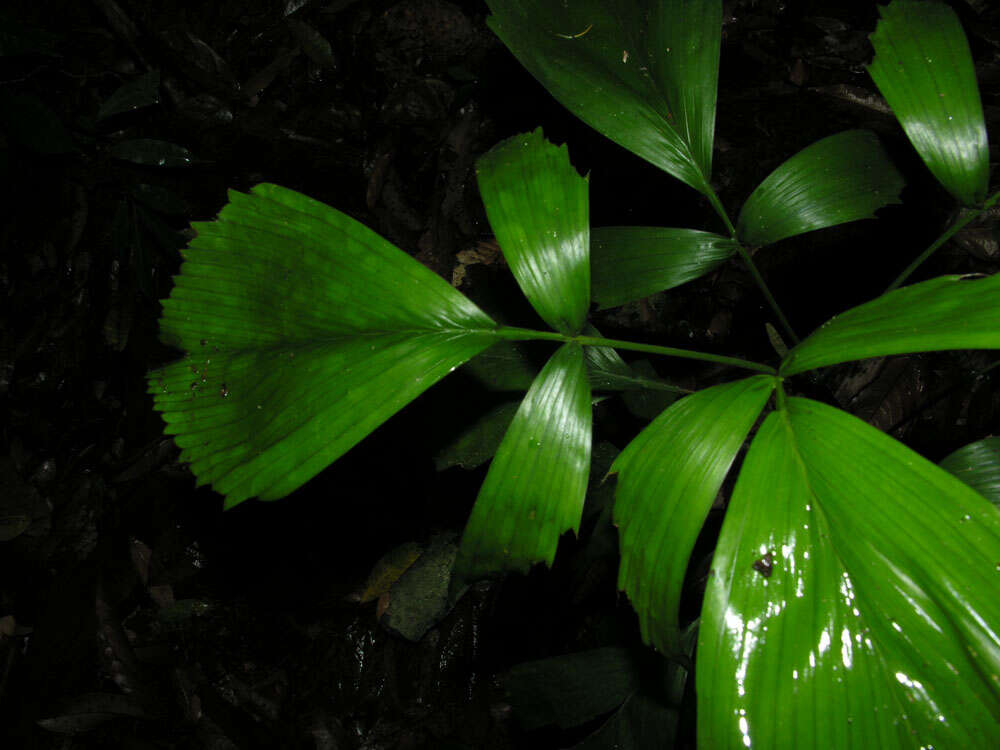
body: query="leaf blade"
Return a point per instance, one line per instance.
(978, 465)
(594, 59)
(668, 478)
(840, 178)
(536, 484)
(949, 312)
(629, 263)
(537, 206)
(878, 596)
(304, 332)
(924, 69)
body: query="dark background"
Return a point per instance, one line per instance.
(119, 578)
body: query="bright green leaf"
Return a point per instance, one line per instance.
(668, 478)
(950, 312)
(537, 206)
(535, 487)
(924, 69)
(304, 331)
(978, 465)
(841, 178)
(633, 262)
(643, 73)
(852, 598)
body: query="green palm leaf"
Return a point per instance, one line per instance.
(845, 177)
(852, 598)
(668, 478)
(304, 331)
(924, 69)
(950, 312)
(535, 487)
(643, 73)
(633, 262)
(537, 206)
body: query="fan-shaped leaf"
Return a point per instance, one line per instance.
(668, 478)
(844, 177)
(535, 487)
(633, 262)
(537, 206)
(923, 67)
(642, 73)
(852, 598)
(978, 465)
(950, 312)
(304, 331)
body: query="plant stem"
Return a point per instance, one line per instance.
(950, 232)
(528, 334)
(751, 266)
(671, 352)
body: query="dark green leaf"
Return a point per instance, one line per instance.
(924, 69)
(572, 689)
(852, 599)
(144, 91)
(668, 478)
(653, 394)
(844, 177)
(505, 366)
(978, 465)
(151, 153)
(478, 443)
(633, 262)
(304, 331)
(537, 206)
(535, 487)
(950, 312)
(642, 73)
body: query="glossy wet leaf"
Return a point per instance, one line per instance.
(629, 263)
(978, 465)
(535, 487)
(143, 91)
(668, 478)
(852, 599)
(841, 178)
(304, 331)
(949, 312)
(150, 152)
(643, 73)
(537, 206)
(924, 69)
